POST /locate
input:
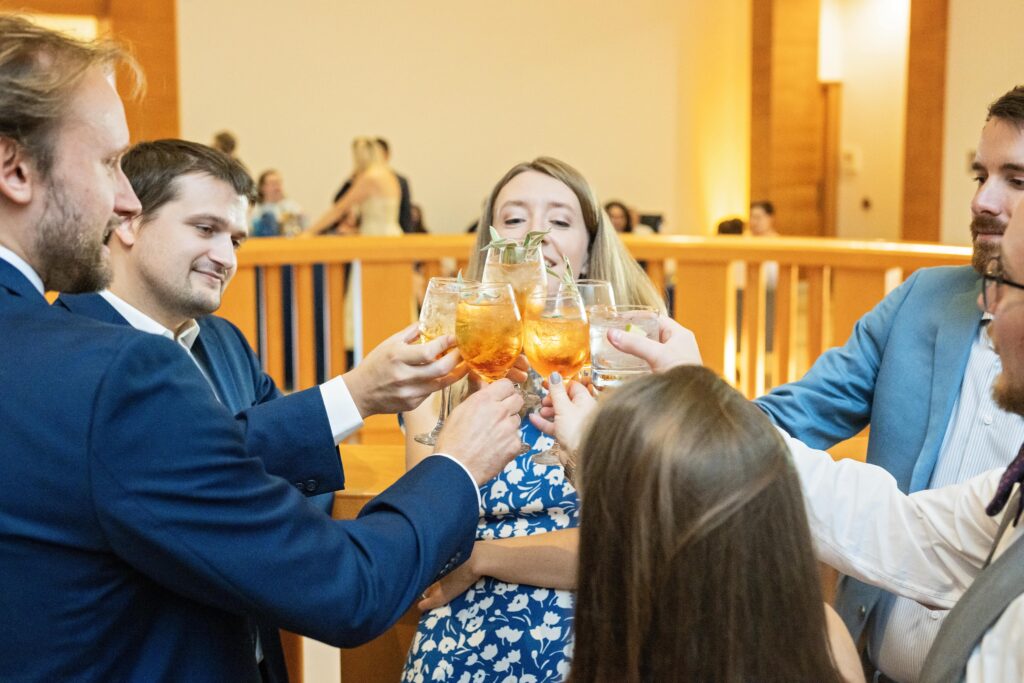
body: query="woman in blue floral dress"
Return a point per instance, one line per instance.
(506, 614)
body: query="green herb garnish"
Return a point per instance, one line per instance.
(567, 277)
(513, 251)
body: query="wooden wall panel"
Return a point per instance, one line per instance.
(787, 115)
(926, 96)
(150, 28)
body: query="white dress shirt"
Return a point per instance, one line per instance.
(980, 437)
(928, 546)
(24, 268)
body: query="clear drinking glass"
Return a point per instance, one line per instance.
(556, 340)
(437, 318)
(593, 293)
(520, 267)
(609, 366)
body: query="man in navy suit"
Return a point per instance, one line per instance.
(194, 203)
(138, 534)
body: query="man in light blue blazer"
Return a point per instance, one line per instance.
(137, 533)
(918, 369)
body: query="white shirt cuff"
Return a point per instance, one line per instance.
(342, 414)
(479, 498)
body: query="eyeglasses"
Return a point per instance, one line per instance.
(992, 285)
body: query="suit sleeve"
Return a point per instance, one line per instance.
(180, 499)
(291, 434)
(832, 402)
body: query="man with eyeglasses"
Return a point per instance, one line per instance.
(918, 369)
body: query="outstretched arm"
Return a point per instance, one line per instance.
(341, 208)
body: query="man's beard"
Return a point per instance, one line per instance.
(984, 250)
(70, 253)
(1010, 400)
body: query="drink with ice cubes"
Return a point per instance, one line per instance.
(611, 367)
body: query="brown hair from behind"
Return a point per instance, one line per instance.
(40, 70)
(152, 167)
(608, 259)
(695, 558)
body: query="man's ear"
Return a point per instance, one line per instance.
(19, 178)
(127, 232)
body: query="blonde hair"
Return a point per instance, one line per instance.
(40, 70)
(607, 258)
(366, 152)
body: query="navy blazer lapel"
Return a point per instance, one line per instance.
(953, 341)
(209, 350)
(12, 280)
(91, 306)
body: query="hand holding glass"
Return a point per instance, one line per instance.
(556, 340)
(437, 318)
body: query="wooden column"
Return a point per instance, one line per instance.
(926, 97)
(787, 114)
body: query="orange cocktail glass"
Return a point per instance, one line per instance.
(488, 329)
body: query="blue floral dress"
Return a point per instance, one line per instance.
(498, 631)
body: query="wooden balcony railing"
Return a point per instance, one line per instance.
(823, 287)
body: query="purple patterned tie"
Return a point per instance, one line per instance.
(1014, 474)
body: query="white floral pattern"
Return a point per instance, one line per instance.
(499, 631)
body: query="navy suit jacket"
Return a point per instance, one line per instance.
(900, 372)
(293, 436)
(138, 535)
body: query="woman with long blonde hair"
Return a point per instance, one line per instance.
(509, 608)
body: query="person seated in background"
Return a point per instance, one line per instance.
(520, 574)
(620, 217)
(274, 214)
(695, 558)
(762, 219)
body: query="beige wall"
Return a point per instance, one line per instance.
(649, 99)
(983, 62)
(870, 61)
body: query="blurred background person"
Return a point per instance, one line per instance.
(762, 219)
(374, 197)
(405, 219)
(225, 141)
(275, 215)
(620, 217)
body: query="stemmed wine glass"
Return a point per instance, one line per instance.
(557, 339)
(489, 330)
(523, 268)
(437, 318)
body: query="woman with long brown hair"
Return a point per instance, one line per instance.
(695, 557)
(508, 609)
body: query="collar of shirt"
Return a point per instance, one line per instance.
(23, 268)
(985, 330)
(140, 321)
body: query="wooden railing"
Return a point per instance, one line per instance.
(823, 287)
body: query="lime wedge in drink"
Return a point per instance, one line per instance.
(635, 329)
